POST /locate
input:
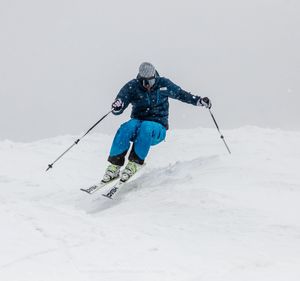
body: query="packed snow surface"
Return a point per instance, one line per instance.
(194, 213)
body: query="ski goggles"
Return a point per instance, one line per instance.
(146, 82)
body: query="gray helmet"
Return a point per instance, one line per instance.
(147, 74)
(146, 70)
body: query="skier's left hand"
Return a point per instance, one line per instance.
(205, 102)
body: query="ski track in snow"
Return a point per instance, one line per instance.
(194, 213)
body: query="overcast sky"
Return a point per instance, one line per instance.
(62, 62)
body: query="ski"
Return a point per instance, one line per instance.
(114, 190)
(95, 187)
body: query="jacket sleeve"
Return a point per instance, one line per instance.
(175, 92)
(125, 96)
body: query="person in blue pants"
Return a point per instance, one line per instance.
(148, 94)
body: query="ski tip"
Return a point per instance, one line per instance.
(107, 196)
(84, 190)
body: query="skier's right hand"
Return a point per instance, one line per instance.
(117, 106)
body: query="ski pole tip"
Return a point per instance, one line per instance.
(49, 167)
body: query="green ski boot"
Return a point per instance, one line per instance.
(130, 169)
(112, 172)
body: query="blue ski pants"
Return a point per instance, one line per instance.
(143, 135)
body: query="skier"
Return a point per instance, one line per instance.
(148, 94)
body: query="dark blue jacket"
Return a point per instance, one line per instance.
(153, 105)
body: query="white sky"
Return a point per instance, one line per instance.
(62, 62)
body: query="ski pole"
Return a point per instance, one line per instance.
(222, 137)
(77, 141)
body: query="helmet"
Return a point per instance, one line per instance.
(147, 74)
(146, 70)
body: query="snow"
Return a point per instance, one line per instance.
(194, 213)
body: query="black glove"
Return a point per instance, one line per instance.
(205, 102)
(117, 105)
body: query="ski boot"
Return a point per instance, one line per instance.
(130, 169)
(112, 172)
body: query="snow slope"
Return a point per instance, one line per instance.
(195, 213)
